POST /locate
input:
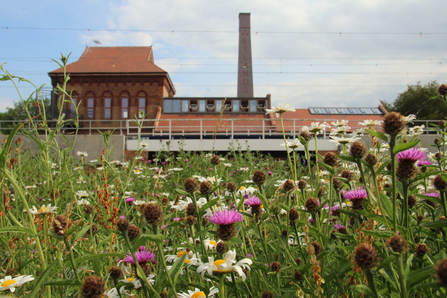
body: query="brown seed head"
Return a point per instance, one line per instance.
(306, 136)
(288, 185)
(357, 149)
(61, 224)
(231, 187)
(191, 209)
(437, 141)
(398, 244)
(267, 294)
(439, 183)
(442, 90)
(215, 160)
(226, 232)
(366, 256)
(411, 201)
(275, 266)
(122, 224)
(115, 272)
(298, 276)
(371, 159)
(330, 159)
(293, 214)
(302, 184)
(88, 209)
(259, 177)
(406, 170)
(191, 220)
(205, 188)
(133, 232)
(393, 123)
(317, 247)
(420, 250)
(191, 185)
(152, 213)
(441, 272)
(92, 287)
(312, 204)
(336, 183)
(347, 174)
(220, 247)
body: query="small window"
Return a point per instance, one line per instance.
(167, 107)
(90, 105)
(236, 106)
(185, 106)
(107, 107)
(141, 106)
(124, 107)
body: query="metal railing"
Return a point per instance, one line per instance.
(201, 128)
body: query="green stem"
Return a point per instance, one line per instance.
(371, 282)
(402, 279)
(72, 260)
(393, 180)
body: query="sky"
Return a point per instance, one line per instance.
(307, 53)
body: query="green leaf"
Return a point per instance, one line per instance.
(435, 224)
(380, 234)
(378, 134)
(27, 231)
(62, 282)
(404, 146)
(347, 158)
(51, 269)
(154, 238)
(182, 192)
(211, 203)
(417, 276)
(5, 149)
(375, 217)
(90, 257)
(386, 261)
(327, 167)
(176, 268)
(364, 289)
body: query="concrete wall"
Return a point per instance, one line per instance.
(92, 144)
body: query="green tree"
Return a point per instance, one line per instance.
(18, 113)
(421, 100)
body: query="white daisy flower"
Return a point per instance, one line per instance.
(42, 210)
(292, 145)
(226, 265)
(197, 293)
(10, 283)
(82, 154)
(282, 108)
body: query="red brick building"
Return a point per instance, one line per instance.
(114, 83)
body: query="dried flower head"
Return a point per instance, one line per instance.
(357, 149)
(267, 294)
(92, 287)
(330, 158)
(441, 272)
(298, 276)
(61, 224)
(231, 187)
(293, 214)
(393, 123)
(220, 247)
(288, 185)
(302, 184)
(421, 250)
(133, 232)
(115, 272)
(312, 204)
(275, 266)
(215, 160)
(398, 244)
(366, 256)
(439, 183)
(152, 213)
(205, 188)
(259, 177)
(347, 174)
(122, 224)
(442, 90)
(371, 159)
(191, 209)
(336, 183)
(191, 185)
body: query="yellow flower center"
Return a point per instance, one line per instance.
(130, 279)
(220, 262)
(187, 261)
(198, 294)
(181, 253)
(213, 242)
(242, 188)
(42, 210)
(10, 282)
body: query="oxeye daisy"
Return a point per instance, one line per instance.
(82, 154)
(282, 108)
(198, 293)
(226, 220)
(226, 265)
(43, 209)
(10, 283)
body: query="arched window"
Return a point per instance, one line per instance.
(124, 105)
(107, 99)
(90, 99)
(141, 104)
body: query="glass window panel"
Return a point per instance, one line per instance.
(185, 105)
(252, 106)
(124, 113)
(236, 105)
(176, 106)
(142, 102)
(89, 113)
(124, 102)
(202, 105)
(107, 113)
(90, 102)
(218, 105)
(167, 106)
(107, 102)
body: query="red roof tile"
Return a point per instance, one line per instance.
(114, 60)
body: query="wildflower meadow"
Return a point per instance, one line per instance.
(367, 221)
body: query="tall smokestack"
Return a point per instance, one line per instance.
(245, 70)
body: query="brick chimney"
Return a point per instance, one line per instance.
(245, 70)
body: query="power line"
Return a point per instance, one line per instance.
(253, 32)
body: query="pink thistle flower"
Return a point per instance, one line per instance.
(355, 194)
(141, 256)
(432, 194)
(422, 163)
(226, 217)
(252, 200)
(130, 200)
(412, 154)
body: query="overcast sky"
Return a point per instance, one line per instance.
(308, 53)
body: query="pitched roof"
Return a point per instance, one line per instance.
(114, 60)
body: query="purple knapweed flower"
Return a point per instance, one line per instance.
(130, 200)
(141, 256)
(339, 226)
(334, 210)
(226, 217)
(432, 194)
(423, 163)
(252, 200)
(412, 154)
(355, 194)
